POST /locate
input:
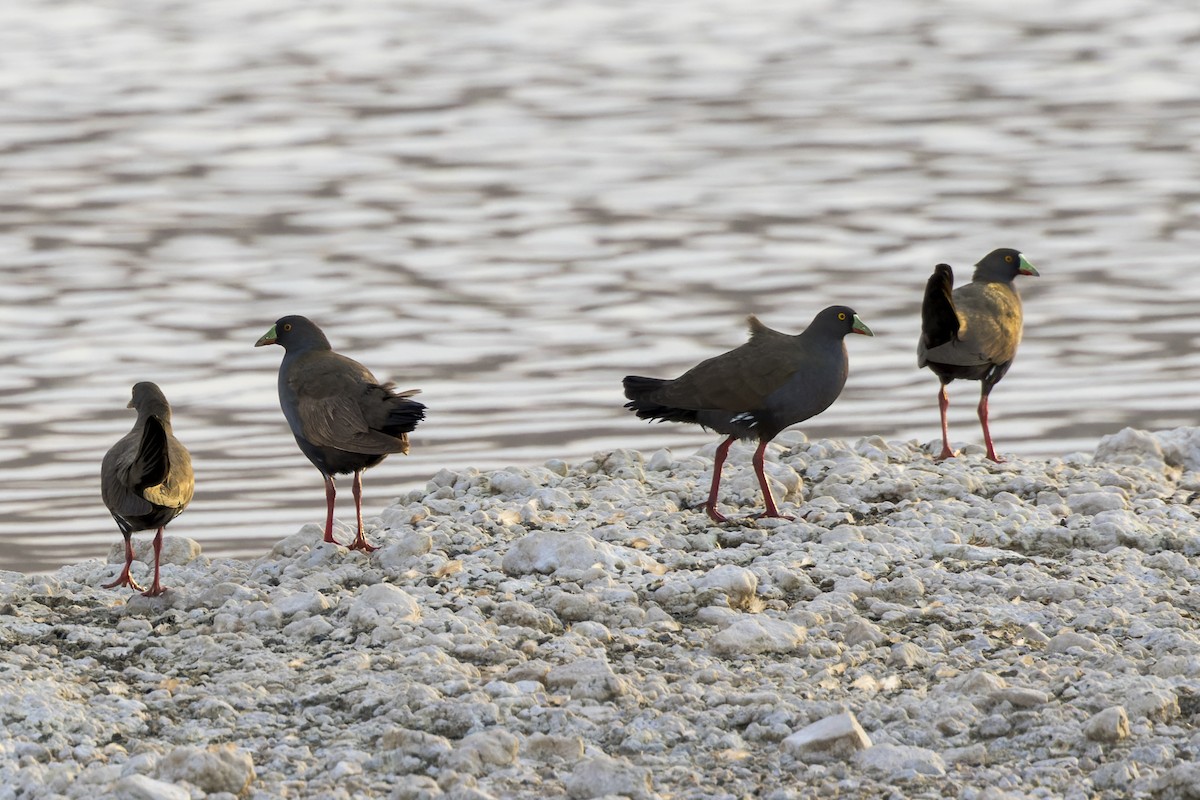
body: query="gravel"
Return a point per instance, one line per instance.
(1026, 629)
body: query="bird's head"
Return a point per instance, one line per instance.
(295, 332)
(148, 399)
(1003, 265)
(840, 321)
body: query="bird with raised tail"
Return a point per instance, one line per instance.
(972, 332)
(771, 382)
(344, 420)
(146, 479)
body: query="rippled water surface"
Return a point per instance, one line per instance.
(512, 205)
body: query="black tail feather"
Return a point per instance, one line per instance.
(637, 390)
(939, 320)
(403, 416)
(152, 464)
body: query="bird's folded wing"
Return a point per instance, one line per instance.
(739, 380)
(337, 420)
(176, 490)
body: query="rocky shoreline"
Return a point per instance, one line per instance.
(1027, 629)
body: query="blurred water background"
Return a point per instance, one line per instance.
(513, 204)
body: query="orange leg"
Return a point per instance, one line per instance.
(156, 588)
(943, 406)
(125, 579)
(771, 511)
(983, 420)
(360, 541)
(718, 461)
(330, 495)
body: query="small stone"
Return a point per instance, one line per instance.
(862, 631)
(833, 738)
(382, 604)
(1117, 776)
(752, 635)
(175, 550)
(603, 775)
(481, 751)
(217, 768)
(1157, 705)
(1092, 503)
(1068, 640)
(142, 787)
(545, 747)
(738, 584)
(906, 655)
(1178, 783)
(590, 678)
(1020, 698)
(901, 761)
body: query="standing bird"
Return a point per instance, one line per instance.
(146, 479)
(972, 332)
(343, 418)
(756, 390)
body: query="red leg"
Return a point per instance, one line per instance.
(983, 420)
(125, 579)
(943, 406)
(718, 461)
(156, 588)
(330, 494)
(360, 541)
(771, 511)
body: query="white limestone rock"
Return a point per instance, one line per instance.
(217, 768)
(1109, 725)
(751, 635)
(835, 738)
(604, 776)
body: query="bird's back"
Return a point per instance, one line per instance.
(753, 391)
(146, 477)
(989, 330)
(343, 418)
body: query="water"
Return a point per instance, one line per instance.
(512, 205)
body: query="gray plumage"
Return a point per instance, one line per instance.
(756, 390)
(343, 419)
(146, 478)
(972, 332)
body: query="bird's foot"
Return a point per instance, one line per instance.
(993, 457)
(946, 453)
(360, 543)
(714, 515)
(156, 590)
(124, 579)
(776, 515)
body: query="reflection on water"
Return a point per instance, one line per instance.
(513, 205)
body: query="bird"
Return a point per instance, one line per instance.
(972, 332)
(146, 479)
(344, 420)
(756, 390)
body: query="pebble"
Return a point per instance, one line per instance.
(833, 738)
(621, 653)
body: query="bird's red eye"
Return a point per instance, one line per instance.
(287, 326)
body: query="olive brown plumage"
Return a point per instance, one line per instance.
(146, 479)
(344, 420)
(755, 391)
(972, 332)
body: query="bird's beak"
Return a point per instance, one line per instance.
(129, 404)
(860, 327)
(267, 338)
(1026, 268)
